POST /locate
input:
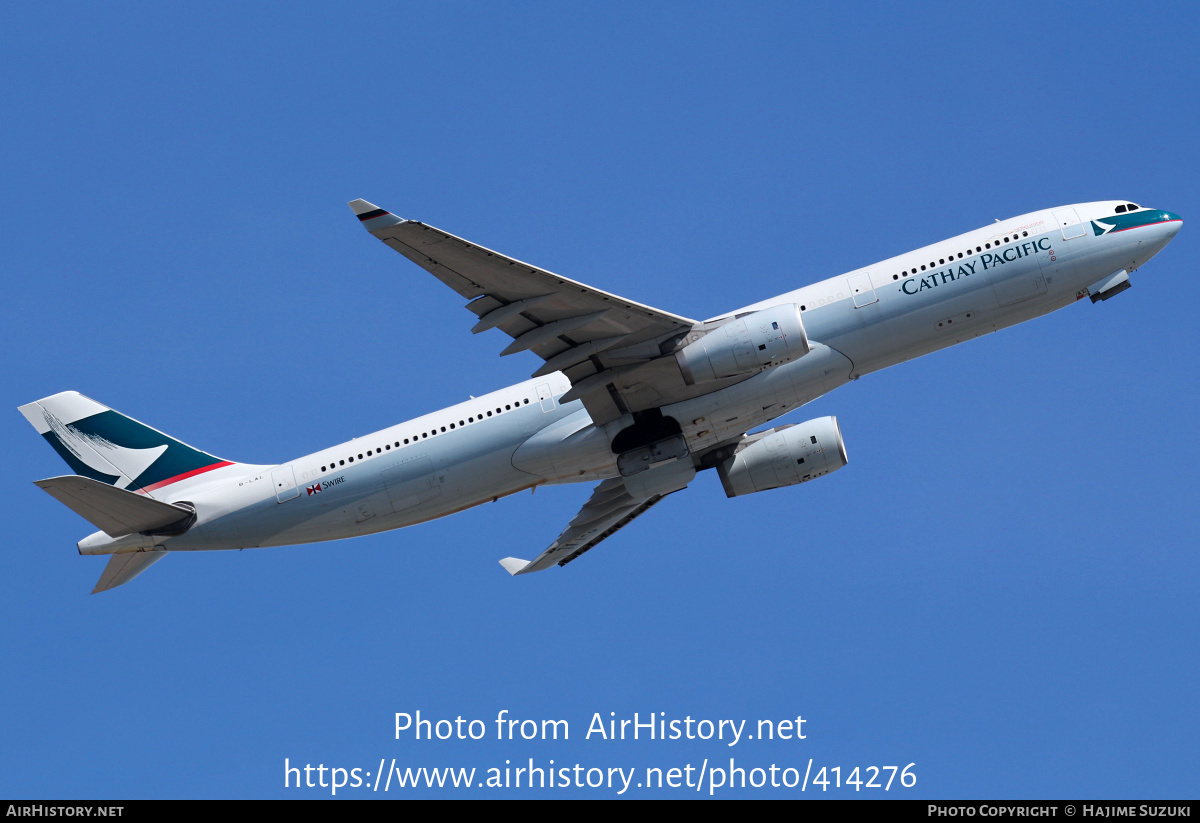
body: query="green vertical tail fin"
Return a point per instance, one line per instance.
(105, 445)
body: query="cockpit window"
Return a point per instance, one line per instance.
(1133, 206)
(1121, 209)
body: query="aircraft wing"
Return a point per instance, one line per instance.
(610, 348)
(611, 507)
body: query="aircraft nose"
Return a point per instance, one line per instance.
(1173, 224)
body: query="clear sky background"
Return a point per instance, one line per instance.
(1001, 587)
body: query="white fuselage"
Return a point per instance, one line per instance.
(521, 436)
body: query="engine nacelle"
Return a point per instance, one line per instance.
(745, 346)
(784, 457)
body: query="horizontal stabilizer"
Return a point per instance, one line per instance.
(514, 565)
(114, 511)
(122, 568)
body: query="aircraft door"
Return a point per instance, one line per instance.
(1068, 221)
(861, 288)
(284, 480)
(546, 396)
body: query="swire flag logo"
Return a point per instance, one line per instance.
(314, 489)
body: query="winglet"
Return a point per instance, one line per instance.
(373, 217)
(514, 565)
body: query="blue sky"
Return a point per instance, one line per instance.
(999, 588)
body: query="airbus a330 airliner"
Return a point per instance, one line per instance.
(632, 398)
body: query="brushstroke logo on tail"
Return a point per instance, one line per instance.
(114, 449)
(101, 454)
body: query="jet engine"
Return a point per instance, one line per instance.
(784, 457)
(745, 345)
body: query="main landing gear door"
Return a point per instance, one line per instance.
(860, 287)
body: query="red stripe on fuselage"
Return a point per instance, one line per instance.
(185, 476)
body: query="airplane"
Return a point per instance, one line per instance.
(632, 398)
